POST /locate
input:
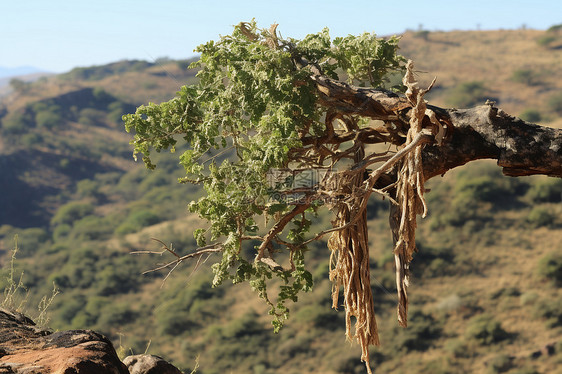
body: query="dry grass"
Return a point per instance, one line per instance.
(490, 57)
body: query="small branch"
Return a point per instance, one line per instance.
(212, 248)
(278, 227)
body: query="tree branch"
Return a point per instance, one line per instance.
(482, 132)
(521, 148)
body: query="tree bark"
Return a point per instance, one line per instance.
(485, 131)
(482, 132)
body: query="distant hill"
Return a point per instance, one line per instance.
(65, 128)
(19, 70)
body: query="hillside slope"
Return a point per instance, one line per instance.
(485, 295)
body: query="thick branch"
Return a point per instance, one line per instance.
(521, 148)
(482, 132)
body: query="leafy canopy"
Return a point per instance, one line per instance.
(255, 102)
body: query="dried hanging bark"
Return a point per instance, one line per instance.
(349, 245)
(410, 191)
(349, 265)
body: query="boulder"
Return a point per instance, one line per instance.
(149, 364)
(27, 349)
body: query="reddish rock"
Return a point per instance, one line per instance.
(27, 349)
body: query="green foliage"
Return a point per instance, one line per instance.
(422, 330)
(183, 309)
(91, 116)
(241, 121)
(485, 330)
(474, 197)
(137, 220)
(92, 228)
(549, 309)
(539, 217)
(319, 316)
(241, 343)
(19, 85)
(550, 267)
(525, 76)
(531, 115)
(433, 262)
(17, 123)
(555, 103)
(500, 364)
(88, 188)
(468, 94)
(367, 58)
(32, 239)
(546, 40)
(71, 212)
(31, 139)
(546, 190)
(48, 118)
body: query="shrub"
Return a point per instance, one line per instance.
(48, 118)
(241, 344)
(546, 190)
(319, 316)
(546, 40)
(71, 212)
(550, 310)
(524, 76)
(473, 199)
(18, 123)
(500, 364)
(91, 117)
(422, 330)
(88, 188)
(115, 316)
(116, 111)
(468, 94)
(458, 348)
(550, 267)
(433, 261)
(31, 139)
(136, 221)
(92, 228)
(485, 330)
(528, 298)
(531, 115)
(68, 310)
(555, 103)
(539, 217)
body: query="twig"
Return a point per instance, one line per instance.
(278, 227)
(212, 248)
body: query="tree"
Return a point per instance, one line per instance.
(19, 85)
(284, 128)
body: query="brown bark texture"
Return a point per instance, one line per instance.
(482, 132)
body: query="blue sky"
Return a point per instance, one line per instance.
(57, 35)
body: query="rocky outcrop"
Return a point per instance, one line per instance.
(27, 349)
(149, 364)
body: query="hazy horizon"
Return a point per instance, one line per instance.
(59, 35)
